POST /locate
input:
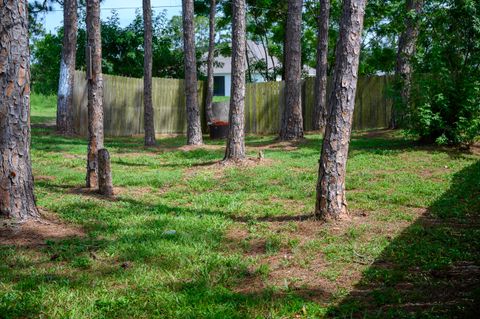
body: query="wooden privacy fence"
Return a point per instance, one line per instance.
(123, 105)
(264, 102)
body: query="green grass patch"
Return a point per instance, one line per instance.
(162, 248)
(221, 98)
(43, 108)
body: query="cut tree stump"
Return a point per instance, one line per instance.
(105, 186)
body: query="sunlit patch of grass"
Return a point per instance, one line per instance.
(43, 108)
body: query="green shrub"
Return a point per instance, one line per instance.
(445, 105)
(448, 110)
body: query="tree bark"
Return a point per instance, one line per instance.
(274, 75)
(17, 200)
(331, 201)
(235, 150)
(210, 60)
(105, 186)
(292, 121)
(284, 58)
(407, 44)
(265, 51)
(67, 68)
(148, 114)
(320, 94)
(194, 128)
(249, 71)
(95, 91)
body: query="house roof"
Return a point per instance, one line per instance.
(223, 64)
(256, 52)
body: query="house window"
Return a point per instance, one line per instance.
(219, 85)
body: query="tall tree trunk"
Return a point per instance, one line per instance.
(265, 51)
(320, 102)
(274, 76)
(67, 68)
(95, 91)
(17, 200)
(331, 201)
(284, 58)
(148, 115)
(249, 71)
(194, 128)
(407, 44)
(235, 150)
(292, 121)
(210, 60)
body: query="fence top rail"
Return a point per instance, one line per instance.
(122, 77)
(307, 78)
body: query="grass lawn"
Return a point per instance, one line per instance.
(44, 108)
(221, 98)
(185, 237)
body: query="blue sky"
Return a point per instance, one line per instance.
(53, 20)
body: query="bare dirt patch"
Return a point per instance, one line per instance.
(131, 155)
(34, 233)
(304, 267)
(43, 178)
(218, 167)
(275, 145)
(279, 145)
(90, 192)
(187, 148)
(72, 156)
(293, 268)
(376, 134)
(475, 148)
(159, 148)
(248, 162)
(136, 192)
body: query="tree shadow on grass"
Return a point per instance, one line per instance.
(281, 218)
(379, 142)
(47, 139)
(125, 241)
(432, 269)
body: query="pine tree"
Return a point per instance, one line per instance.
(331, 201)
(148, 115)
(194, 128)
(235, 150)
(17, 200)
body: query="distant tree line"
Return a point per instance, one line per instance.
(266, 23)
(122, 49)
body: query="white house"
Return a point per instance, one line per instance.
(222, 69)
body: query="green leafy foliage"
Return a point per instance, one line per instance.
(46, 63)
(122, 50)
(446, 103)
(123, 46)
